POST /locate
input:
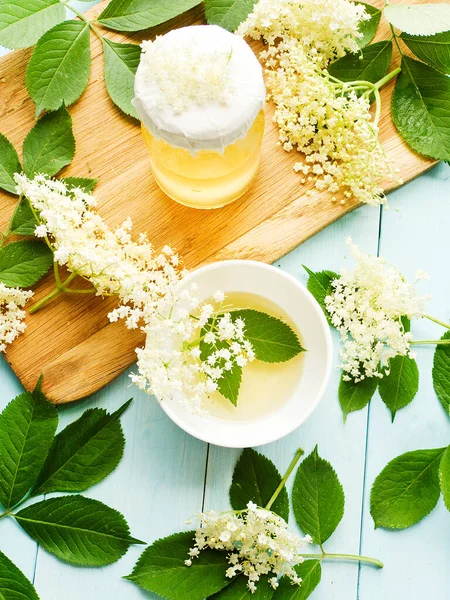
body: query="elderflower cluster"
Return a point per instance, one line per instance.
(12, 315)
(366, 307)
(317, 115)
(258, 543)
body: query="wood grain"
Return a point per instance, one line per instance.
(71, 342)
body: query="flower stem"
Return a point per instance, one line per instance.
(353, 557)
(387, 78)
(430, 318)
(437, 342)
(48, 298)
(291, 467)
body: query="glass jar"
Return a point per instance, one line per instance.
(204, 142)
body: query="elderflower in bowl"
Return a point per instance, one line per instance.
(277, 355)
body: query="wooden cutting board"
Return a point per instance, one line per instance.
(71, 342)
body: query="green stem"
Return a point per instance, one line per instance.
(394, 37)
(83, 18)
(387, 78)
(291, 467)
(48, 298)
(437, 342)
(430, 318)
(353, 557)
(7, 513)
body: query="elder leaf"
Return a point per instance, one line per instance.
(371, 64)
(238, 590)
(14, 584)
(421, 108)
(84, 183)
(161, 569)
(311, 573)
(407, 489)
(59, 68)
(317, 498)
(444, 477)
(22, 264)
(432, 49)
(136, 15)
(24, 221)
(22, 22)
(255, 479)
(400, 387)
(121, 63)
(228, 14)
(369, 27)
(356, 396)
(419, 19)
(78, 530)
(441, 373)
(50, 145)
(319, 284)
(9, 165)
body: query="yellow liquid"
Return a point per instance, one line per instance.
(207, 179)
(264, 386)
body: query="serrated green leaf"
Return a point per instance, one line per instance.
(84, 183)
(444, 477)
(441, 373)
(228, 14)
(317, 498)
(136, 15)
(238, 590)
(84, 453)
(419, 19)
(161, 569)
(432, 49)
(50, 145)
(229, 384)
(356, 396)
(319, 284)
(23, 22)
(9, 165)
(369, 27)
(371, 64)
(421, 108)
(22, 264)
(14, 584)
(78, 530)
(27, 427)
(24, 221)
(311, 573)
(406, 490)
(121, 63)
(255, 479)
(59, 68)
(400, 387)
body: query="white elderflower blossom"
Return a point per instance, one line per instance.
(366, 307)
(258, 542)
(12, 315)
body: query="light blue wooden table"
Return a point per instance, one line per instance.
(166, 476)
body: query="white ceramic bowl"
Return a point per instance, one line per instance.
(282, 289)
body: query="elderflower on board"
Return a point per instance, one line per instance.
(366, 307)
(258, 542)
(12, 315)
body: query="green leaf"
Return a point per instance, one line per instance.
(14, 584)
(311, 573)
(406, 490)
(161, 569)
(22, 264)
(369, 27)
(136, 15)
(441, 373)
(319, 284)
(255, 479)
(27, 427)
(419, 19)
(229, 384)
(356, 396)
(371, 64)
(228, 14)
(317, 498)
(400, 387)
(59, 68)
(24, 221)
(84, 453)
(121, 63)
(432, 49)
(87, 185)
(444, 477)
(50, 145)
(22, 22)
(238, 590)
(421, 108)
(78, 530)
(273, 340)
(9, 165)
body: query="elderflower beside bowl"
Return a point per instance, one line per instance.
(235, 277)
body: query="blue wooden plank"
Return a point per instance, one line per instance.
(414, 234)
